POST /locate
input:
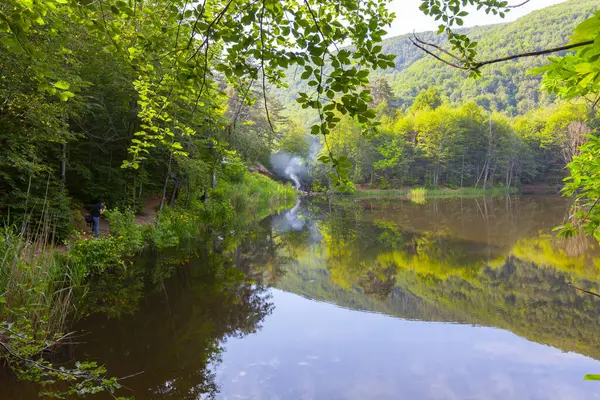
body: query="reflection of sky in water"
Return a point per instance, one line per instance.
(311, 350)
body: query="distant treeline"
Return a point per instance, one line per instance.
(433, 143)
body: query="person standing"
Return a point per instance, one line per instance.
(96, 211)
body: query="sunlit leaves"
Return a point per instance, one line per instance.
(584, 185)
(226, 41)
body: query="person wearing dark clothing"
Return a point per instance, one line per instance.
(96, 211)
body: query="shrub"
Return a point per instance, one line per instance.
(124, 226)
(234, 169)
(97, 256)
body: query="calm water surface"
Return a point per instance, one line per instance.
(452, 299)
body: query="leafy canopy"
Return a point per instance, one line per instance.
(182, 51)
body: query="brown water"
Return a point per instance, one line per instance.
(452, 299)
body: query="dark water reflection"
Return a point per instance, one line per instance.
(453, 299)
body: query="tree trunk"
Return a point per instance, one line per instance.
(164, 191)
(63, 166)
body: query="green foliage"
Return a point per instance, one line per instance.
(97, 256)
(123, 226)
(38, 285)
(463, 146)
(22, 347)
(504, 87)
(584, 185)
(427, 99)
(173, 226)
(417, 195)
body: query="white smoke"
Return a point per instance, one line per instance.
(293, 166)
(290, 171)
(289, 166)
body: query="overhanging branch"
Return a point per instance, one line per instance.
(467, 65)
(519, 5)
(437, 57)
(533, 53)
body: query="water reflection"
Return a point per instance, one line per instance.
(479, 262)
(177, 335)
(355, 300)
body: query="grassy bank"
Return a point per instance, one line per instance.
(422, 194)
(42, 285)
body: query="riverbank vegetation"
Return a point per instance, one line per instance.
(419, 193)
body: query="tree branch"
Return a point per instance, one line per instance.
(262, 64)
(209, 27)
(437, 57)
(533, 53)
(421, 44)
(519, 5)
(435, 46)
(585, 291)
(314, 17)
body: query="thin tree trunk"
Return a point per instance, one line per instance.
(462, 170)
(488, 155)
(164, 191)
(63, 166)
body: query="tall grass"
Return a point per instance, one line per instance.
(256, 191)
(37, 280)
(417, 195)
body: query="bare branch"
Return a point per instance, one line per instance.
(435, 46)
(585, 291)
(421, 44)
(437, 57)
(533, 53)
(519, 5)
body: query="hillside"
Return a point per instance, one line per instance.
(503, 87)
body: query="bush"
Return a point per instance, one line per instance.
(96, 256)
(383, 183)
(234, 170)
(124, 226)
(174, 225)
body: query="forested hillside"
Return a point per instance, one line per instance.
(504, 87)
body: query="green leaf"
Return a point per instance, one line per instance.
(66, 95)
(592, 377)
(62, 85)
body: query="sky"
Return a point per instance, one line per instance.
(409, 18)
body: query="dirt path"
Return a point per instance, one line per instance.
(146, 216)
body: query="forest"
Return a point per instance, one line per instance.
(434, 143)
(171, 111)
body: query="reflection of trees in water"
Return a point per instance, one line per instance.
(407, 266)
(176, 336)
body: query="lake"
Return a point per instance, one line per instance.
(375, 299)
